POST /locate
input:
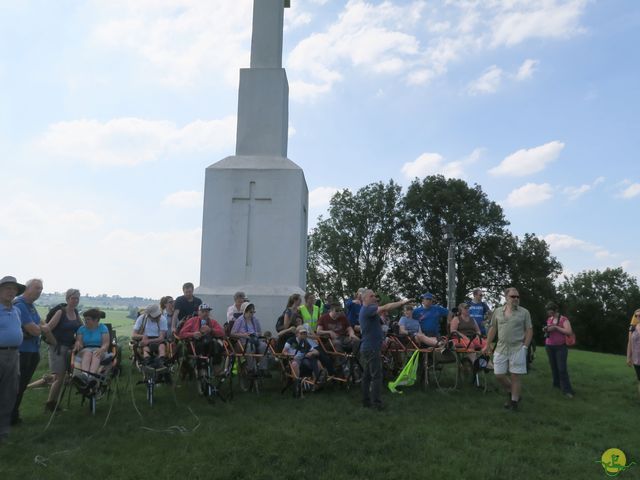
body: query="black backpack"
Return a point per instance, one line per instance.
(53, 310)
(280, 323)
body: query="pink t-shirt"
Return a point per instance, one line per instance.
(635, 346)
(556, 338)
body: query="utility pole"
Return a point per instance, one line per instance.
(451, 268)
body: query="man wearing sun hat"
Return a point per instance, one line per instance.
(150, 330)
(10, 341)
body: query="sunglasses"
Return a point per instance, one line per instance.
(514, 296)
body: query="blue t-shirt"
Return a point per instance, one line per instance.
(411, 326)
(352, 310)
(477, 311)
(28, 314)
(429, 318)
(371, 328)
(10, 327)
(92, 338)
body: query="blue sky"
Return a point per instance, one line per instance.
(110, 112)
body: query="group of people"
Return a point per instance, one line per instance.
(358, 327)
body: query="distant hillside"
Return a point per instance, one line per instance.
(113, 302)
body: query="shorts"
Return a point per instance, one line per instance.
(514, 363)
(89, 349)
(59, 359)
(637, 369)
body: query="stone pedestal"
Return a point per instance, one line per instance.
(254, 236)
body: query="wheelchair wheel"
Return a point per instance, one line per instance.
(246, 378)
(92, 404)
(423, 369)
(445, 369)
(467, 372)
(150, 389)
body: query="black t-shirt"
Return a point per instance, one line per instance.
(187, 308)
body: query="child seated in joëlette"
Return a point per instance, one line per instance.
(305, 356)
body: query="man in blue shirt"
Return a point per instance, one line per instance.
(479, 310)
(371, 346)
(352, 310)
(429, 315)
(10, 340)
(30, 348)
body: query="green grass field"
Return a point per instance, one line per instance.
(465, 434)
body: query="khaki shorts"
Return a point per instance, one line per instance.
(59, 359)
(514, 363)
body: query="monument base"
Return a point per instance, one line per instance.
(269, 302)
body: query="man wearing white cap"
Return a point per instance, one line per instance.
(10, 340)
(150, 330)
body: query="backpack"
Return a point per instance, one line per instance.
(53, 310)
(280, 323)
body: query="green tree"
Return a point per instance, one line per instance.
(599, 305)
(533, 271)
(479, 228)
(353, 247)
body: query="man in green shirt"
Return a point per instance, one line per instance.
(512, 324)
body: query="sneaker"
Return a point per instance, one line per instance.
(568, 395)
(380, 407)
(50, 406)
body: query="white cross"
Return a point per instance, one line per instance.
(251, 202)
(268, 26)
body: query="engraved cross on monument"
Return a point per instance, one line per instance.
(251, 203)
(262, 249)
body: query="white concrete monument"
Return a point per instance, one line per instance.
(254, 228)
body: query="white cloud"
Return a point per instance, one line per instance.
(369, 37)
(528, 161)
(489, 82)
(435, 164)
(516, 22)
(184, 199)
(383, 38)
(526, 69)
(132, 141)
(576, 192)
(560, 241)
(319, 197)
(83, 247)
(529, 195)
(180, 40)
(631, 191)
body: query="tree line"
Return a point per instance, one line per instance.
(395, 243)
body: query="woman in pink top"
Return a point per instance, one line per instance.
(633, 347)
(555, 333)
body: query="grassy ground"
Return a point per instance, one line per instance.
(465, 434)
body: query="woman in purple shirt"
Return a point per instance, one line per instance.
(247, 329)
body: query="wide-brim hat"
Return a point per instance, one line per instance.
(9, 280)
(153, 310)
(244, 306)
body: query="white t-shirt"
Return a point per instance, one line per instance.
(152, 328)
